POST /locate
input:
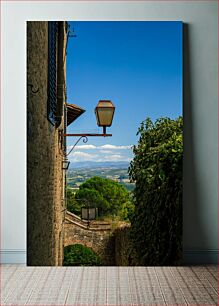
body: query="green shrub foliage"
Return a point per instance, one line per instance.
(156, 225)
(79, 255)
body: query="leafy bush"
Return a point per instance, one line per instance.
(125, 253)
(157, 171)
(79, 255)
(127, 210)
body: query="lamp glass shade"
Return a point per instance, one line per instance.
(65, 164)
(104, 113)
(88, 213)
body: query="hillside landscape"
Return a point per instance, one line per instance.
(80, 172)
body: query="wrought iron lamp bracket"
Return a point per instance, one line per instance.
(84, 137)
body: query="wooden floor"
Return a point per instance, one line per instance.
(124, 286)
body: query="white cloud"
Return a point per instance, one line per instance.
(104, 147)
(78, 153)
(106, 152)
(116, 158)
(86, 147)
(81, 156)
(114, 147)
(83, 147)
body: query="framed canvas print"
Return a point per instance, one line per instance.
(104, 143)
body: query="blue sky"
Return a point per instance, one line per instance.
(137, 65)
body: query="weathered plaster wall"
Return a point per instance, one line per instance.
(44, 159)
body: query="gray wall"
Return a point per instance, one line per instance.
(200, 112)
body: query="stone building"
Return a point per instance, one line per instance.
(47, 117)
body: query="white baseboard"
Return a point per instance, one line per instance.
(13, 256)
(200, 257)
(192, 257)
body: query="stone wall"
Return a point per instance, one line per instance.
(45, 177)
(99, 237)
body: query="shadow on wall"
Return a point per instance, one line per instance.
(192, 225)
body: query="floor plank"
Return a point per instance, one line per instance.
(108, 286)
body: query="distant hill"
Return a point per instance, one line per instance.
(90, 164)
(79, 172)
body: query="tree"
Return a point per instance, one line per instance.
(156, 169)
(108, 196)
(72, 205)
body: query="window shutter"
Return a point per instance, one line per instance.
(52, 71)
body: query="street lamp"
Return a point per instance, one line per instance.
(65, 164)
(88, 214)
(104, 112)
